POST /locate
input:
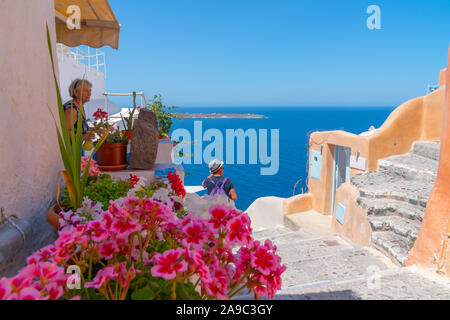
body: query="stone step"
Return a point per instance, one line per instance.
(391, 244)
(339, 266)
(400, 226)
(384, 185)
(270, 233)
(410, 166)
(408, 283)
(427, 149)
(391, 207)
(293, 250)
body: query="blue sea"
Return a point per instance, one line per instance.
(294, 124)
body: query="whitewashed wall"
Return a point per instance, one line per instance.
(29, 155)
(70, 70)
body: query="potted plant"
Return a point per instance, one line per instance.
(112, 155)
(164, 116)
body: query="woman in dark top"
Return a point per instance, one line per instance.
(73, 106)
(217, 181)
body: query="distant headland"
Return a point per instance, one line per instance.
(219, 116)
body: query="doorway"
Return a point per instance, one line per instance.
(341, 170)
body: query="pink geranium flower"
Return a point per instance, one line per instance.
(94, 170)
(195, 235)
(217, 287)
(220, 217)
(269, 284)
(196, 264)
(168, 264)
(124, 227)
(97, 232)
(54, 291)
(107, 249)
(263, 260)
(103, 276)
(240, 231)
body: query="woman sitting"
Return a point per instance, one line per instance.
(80, 91)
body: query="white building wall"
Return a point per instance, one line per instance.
(29, 153)
(71, 69)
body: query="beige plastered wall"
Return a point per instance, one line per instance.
(29, 154)
(442, 77)
(355, 225)
(417, 119)
(429, 249)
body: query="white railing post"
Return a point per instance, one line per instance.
(106, 102)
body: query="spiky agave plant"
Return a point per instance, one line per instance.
(71, 146)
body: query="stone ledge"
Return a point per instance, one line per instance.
(149, 175)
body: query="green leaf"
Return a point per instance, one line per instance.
(146, 293)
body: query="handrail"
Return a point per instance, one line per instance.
(106, 94)
(79, 56)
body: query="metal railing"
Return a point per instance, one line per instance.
(107, 94)
(432, 88)
(95, 61)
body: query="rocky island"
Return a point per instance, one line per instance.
(218, 116)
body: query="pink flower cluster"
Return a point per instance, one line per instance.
(94, 171)
(123, 241)
(37, 281)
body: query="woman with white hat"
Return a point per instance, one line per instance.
(216, 183)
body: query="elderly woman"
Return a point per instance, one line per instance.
(80, 91)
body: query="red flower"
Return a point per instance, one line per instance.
(133, 180)
(100, 114)
(176, 184)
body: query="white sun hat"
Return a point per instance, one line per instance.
(215, 165)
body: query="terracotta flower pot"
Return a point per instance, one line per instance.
(112, 154)
(53, 217)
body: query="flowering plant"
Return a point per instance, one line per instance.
(94, 171)
(133, 181)
(176, 184)
(89, 211)
(70, 146)
(101, 125)
(139, 249)
(164, 116)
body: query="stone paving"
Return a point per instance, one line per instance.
(331, 267)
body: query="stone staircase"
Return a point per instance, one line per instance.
(396, 196)
(328, 266)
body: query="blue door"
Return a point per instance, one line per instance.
(341, 173)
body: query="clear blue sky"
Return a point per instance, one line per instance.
(278, 52)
